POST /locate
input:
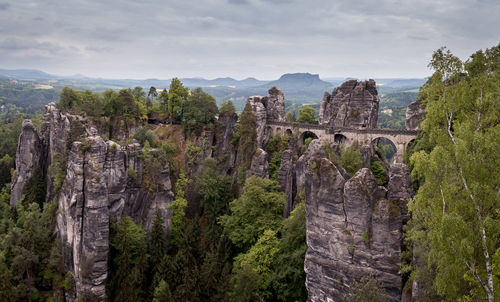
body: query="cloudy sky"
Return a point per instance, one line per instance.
(241, 38)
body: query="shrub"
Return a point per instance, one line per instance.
(366, 237)
(142, 134)
(351, 160)
(132, 174)
(379, 172)
(367, 289)
(307, 115)
(307, 141)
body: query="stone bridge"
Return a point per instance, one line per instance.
(400, 138)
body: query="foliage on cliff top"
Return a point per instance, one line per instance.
(455, 219)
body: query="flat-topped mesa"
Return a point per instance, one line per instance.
(352, 104)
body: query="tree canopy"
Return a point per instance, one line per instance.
(455, 219)
(307, 115)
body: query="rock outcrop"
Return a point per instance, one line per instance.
(271, 107)
(414, 115)
(96, 188)
(28, 158)
(354, 227)
(260, 164)
(352, 104)
(55, 132)
(275, 105)
(224, 150)
(287, 180)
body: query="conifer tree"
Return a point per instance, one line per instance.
(130, 262)
(247, 135)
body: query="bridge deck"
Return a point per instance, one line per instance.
(331, 130)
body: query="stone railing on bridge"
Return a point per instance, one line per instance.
(296, 125)
(331, 130)
(386, 131)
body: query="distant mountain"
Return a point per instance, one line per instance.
(228, 82)
(302, 87)
(25, 74)
(297, 87)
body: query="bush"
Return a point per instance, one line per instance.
(307, 115)
(132, 174)
(379, 173)
(368, 289)
(142, 134)
(351, 160)
(366, 237)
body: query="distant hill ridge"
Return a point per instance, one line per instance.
(299, 87)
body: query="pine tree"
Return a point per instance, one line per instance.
(130, 262)
(248, 136)
(158, 243)
(162, 293)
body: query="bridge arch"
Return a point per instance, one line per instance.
(307, 134)
(399, 137)
(385, 147)
(340, 138)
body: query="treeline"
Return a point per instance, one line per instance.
(455, 163)
(193, 108)
(25, 96)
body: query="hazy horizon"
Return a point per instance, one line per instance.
(240, 38)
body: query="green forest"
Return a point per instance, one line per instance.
(237, 245)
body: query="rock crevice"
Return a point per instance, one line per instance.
(354, 227)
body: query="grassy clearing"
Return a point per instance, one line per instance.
(43, 86)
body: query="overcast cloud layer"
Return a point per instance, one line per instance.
(241, 38)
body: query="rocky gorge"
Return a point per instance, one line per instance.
(354, 222)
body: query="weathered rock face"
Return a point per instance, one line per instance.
(400, 187)
(286, 180)
(260, 164)
(275, 105)
(96, 188)
(352, 104)
(259, 110)
(224, 150)
(353, 226)
(315, 149)
(414, 115)
(55, 131)
(28, 158)
(266, 108)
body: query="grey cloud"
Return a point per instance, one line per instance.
(262, 38)
(417, 38)
(238, 1)
(24, 44)
(4, 6)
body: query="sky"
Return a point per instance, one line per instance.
(241, 38)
